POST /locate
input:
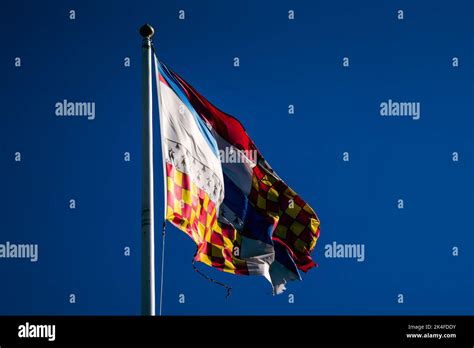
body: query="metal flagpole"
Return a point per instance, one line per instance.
(148, 228)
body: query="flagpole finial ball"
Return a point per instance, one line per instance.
(147, 31)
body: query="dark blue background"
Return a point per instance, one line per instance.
(283, 62)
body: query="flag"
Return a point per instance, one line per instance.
(221, 192)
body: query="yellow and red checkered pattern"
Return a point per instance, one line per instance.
(297, 225)
(190, 209)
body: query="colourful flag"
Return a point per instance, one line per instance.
(221, 192)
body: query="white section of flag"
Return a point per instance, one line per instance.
(193, 154)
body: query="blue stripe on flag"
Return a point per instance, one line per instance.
(282, 256)
(234, 199)
(255, 224)
(257, 227)
(175, 86)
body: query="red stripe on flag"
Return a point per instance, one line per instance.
(163, 80)
(226, 125)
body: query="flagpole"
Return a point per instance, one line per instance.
(148, 228)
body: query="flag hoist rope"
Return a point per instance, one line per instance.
(163, 231)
